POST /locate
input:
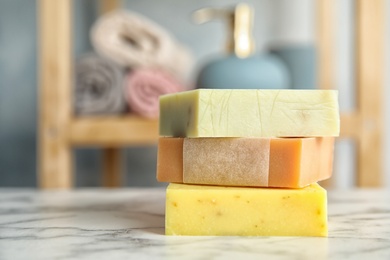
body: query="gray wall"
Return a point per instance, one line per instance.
(17, 93)
(18, 81)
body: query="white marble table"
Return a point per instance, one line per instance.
(129, 224)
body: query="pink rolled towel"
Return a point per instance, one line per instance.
(143, 87)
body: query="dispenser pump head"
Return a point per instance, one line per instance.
(240, 21)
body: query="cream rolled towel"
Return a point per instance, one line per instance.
(98, 88)
(134, 41)
(143, 88)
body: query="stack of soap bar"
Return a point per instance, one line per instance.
(246, 162)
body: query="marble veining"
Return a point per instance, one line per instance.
(129, 224)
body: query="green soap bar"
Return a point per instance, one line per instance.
(250, 113)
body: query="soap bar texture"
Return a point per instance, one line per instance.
(226, 161)
(241, 211)
(258, 162)
(250, 113)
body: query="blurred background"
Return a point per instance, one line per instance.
(284, 34)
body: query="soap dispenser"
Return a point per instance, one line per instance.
(241, 67)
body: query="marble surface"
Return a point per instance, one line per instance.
(129, 223)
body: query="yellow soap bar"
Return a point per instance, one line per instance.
(250, 113)
(197, 210)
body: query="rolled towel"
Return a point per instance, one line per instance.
(143, 88)
(98, 87)
(134, 41)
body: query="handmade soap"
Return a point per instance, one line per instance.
(241, 211)
(258, 162)
(250, 113)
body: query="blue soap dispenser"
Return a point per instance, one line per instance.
(241, 68)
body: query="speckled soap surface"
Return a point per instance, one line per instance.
(198, 210)
(129, 223)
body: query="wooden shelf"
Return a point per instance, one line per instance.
(113, 131)
(349, 125)
(364, 124)
(59, 131)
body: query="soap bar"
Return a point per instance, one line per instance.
(197, 210)
(250, 113)
(258, 162)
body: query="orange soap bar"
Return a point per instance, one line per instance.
(258, 162)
